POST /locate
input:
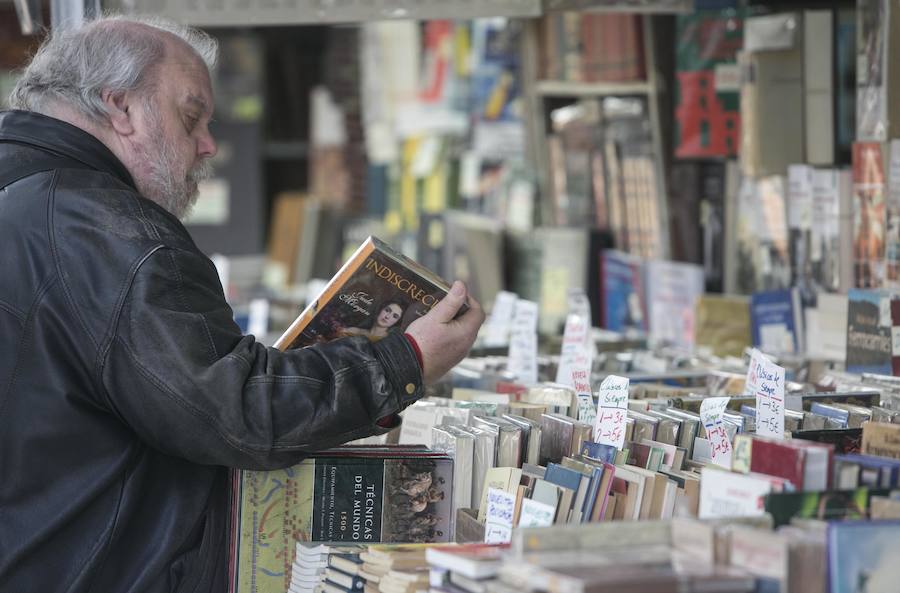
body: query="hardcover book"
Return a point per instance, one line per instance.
(868, 332)
(723, 324)
(862, 556)
(376, 292)
(881, 439)
(869, 215)
(622, 292)
(708, 112)
(350, 495)
(830, 505)
(777, 324)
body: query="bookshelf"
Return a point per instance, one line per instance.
(565, 88)
(540, 92)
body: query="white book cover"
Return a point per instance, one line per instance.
(418, 420)
(727, 494)
(672, 292)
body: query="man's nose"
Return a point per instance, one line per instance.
(206, 146)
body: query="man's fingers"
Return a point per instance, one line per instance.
(474, 317)
(449, 306)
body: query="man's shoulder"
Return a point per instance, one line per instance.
(116, 210)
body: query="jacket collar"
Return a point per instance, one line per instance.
(61, 138)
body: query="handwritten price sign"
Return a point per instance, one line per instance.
(575, 351)
(581, 381)
(712, 414)
(523, 342)
(609, 426)
(765, 380)
(499, 523)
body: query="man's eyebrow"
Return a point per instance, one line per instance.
(200, 103)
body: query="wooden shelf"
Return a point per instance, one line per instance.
(563, 88)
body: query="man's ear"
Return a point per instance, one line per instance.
(119, 109)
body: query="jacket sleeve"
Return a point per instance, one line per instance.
(178, 371)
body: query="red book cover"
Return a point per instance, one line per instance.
(778, 458)
(472, 560)
(510, 388)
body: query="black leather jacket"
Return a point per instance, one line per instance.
(126, 388)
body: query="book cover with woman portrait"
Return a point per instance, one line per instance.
(378, 291)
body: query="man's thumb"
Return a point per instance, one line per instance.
(449, 306)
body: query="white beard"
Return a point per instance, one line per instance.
(164, 182)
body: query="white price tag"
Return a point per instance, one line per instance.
(609, 427)
(499, 323)
(574, 348)
(765, 380)
(712, 412)
(536, 514)
(581, 380)
(498, 526)
(523, 342)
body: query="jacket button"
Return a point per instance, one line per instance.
(410, 388)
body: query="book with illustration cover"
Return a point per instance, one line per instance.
(868, 332)
(869, 215)
(828, 505)
(376, 292)
(357, 496)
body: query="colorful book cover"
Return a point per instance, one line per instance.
(776, 321)
(844, 440)
(831, 505)
(869, 215)
(376, 292)
(623, 295)
(863, 556)
(869, 344)
(708, 115)
(355, 499)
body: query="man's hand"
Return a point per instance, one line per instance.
(443, 340)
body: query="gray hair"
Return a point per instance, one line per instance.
(114, 53)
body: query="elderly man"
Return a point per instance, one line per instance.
(125, 387)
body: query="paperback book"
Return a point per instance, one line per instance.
(378, 291)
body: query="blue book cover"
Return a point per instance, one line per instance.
(842, 416)
(877, 472)
(599, 451)
(775, 321)
(863, 556)
(591, 498)
(563, 476)
(868, 332)
(623, 295)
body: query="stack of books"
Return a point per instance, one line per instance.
(467, 568)
(308, 569)
(343, 574)
(396, 568)
(487, 458)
